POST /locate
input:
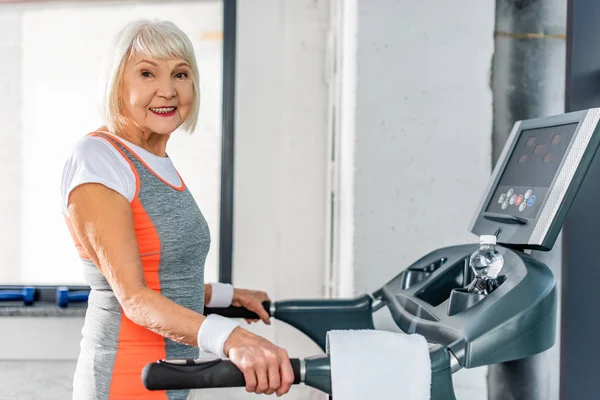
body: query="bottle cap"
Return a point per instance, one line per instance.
(487, 239)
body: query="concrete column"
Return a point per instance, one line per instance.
(528, 81)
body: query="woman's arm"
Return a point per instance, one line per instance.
(103, 223)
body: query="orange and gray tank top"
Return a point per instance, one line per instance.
(173, 240)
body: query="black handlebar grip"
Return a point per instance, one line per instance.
(194, 374)
(237, 312)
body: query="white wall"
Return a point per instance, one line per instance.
(423, 129)
(281, 147)
(422, 145)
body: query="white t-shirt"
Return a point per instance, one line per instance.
(95, 160)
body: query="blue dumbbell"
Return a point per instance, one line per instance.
(26, 295)
(64, 297)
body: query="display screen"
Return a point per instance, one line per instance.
(530, 171)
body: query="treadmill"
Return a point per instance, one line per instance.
(525, 205)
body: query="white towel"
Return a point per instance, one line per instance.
(371, 364)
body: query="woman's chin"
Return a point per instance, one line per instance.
(164, 129)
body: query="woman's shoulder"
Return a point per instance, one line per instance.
(93, 154)
(93, 159)
(94, 148)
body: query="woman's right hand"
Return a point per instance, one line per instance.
(266, 367)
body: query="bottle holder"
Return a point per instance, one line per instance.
(461, 300)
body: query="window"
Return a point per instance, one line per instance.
(50, 63)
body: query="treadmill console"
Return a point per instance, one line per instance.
(536, 179)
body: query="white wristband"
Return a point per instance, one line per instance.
(213, 334)
(222, 295)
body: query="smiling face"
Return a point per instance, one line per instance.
(156, 95)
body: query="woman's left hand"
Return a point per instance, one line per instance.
(251, 300)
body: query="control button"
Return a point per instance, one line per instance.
(531, 200)
(513, 199)
(556, 139)
(505, 204)
(528, 194)
(522, 206)
(502, 198)
(510, 193)
(519, 199)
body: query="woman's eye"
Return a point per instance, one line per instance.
(146, 74)
(181, 75)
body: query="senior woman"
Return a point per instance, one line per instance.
(143, 240)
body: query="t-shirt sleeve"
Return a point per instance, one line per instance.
(94, 160)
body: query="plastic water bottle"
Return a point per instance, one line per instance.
(486, 263)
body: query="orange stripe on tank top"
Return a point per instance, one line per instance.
(139, 346)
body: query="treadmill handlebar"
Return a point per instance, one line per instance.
(200, 374)
(240, 312)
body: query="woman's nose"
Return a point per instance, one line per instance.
(166, 89)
